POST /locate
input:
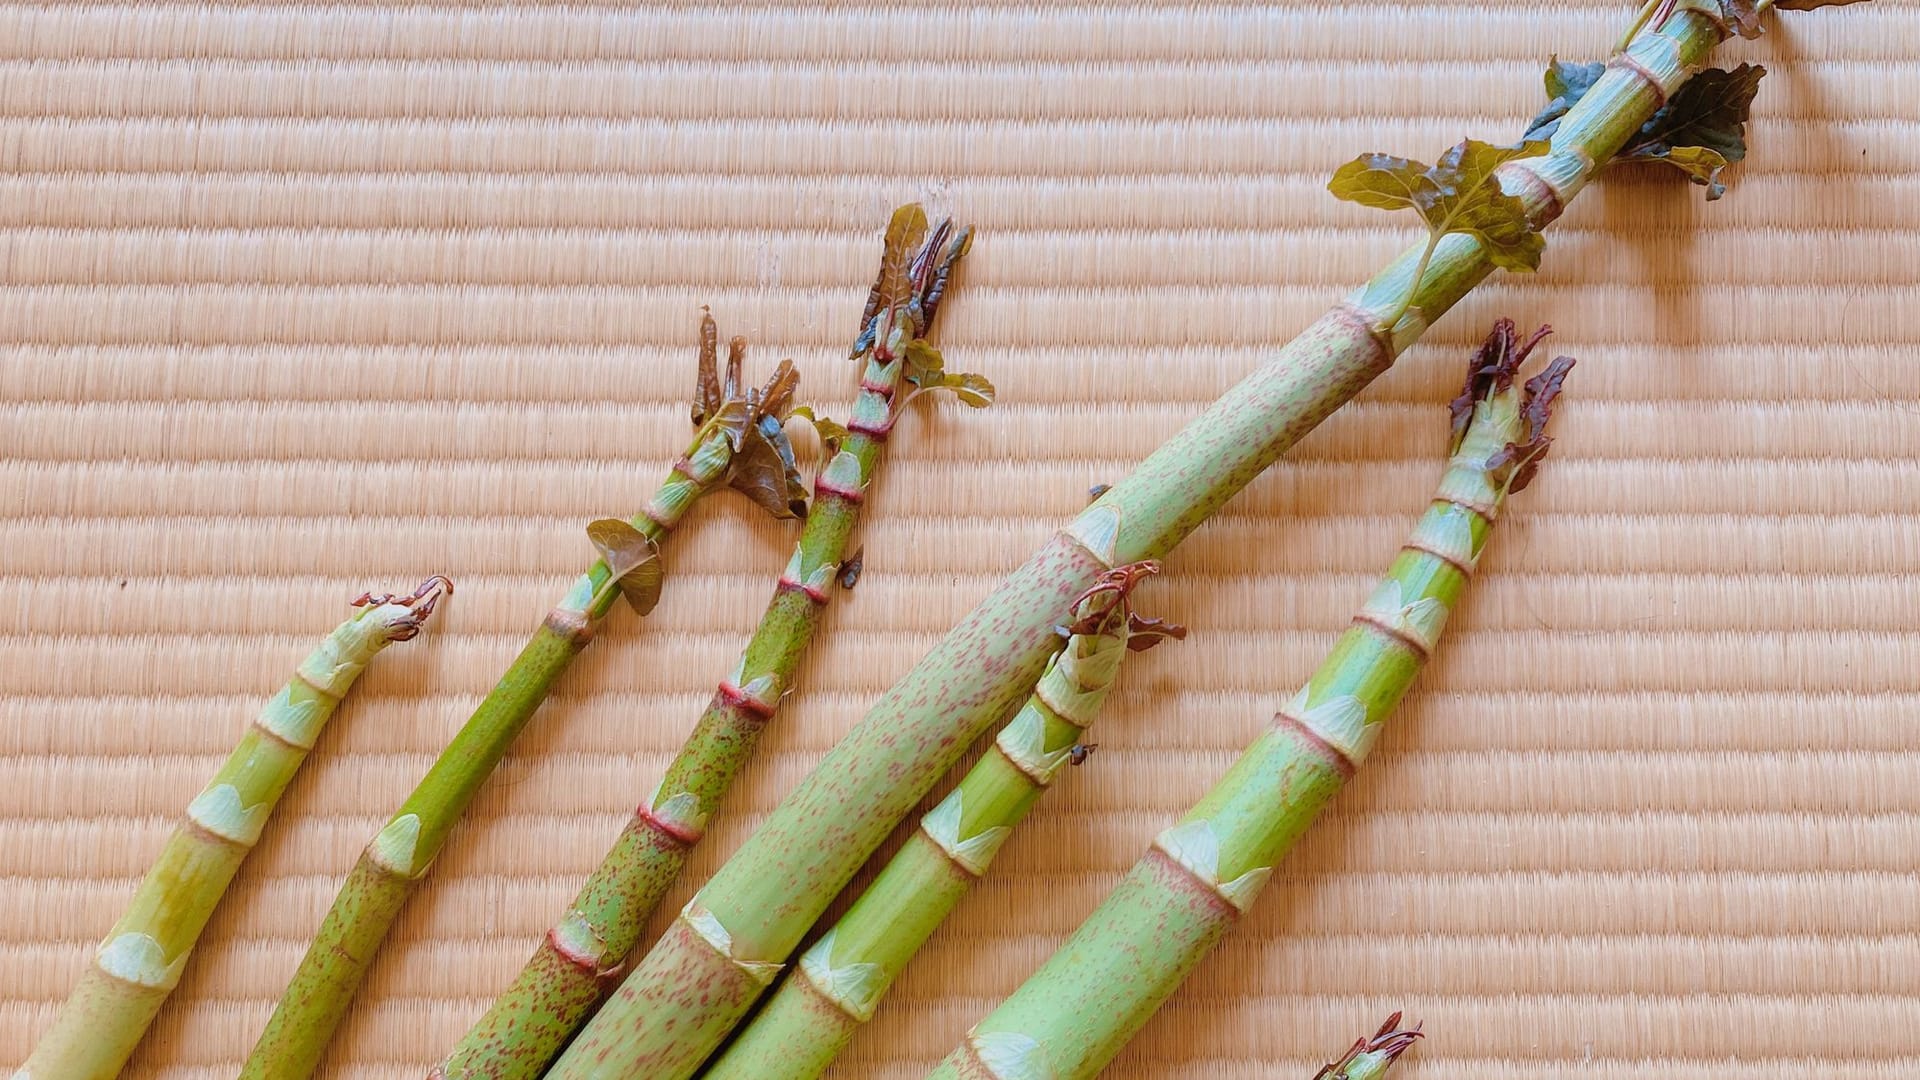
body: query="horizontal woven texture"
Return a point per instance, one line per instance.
(299, 300)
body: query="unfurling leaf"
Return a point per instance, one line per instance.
(633, 561)
(1459, 193)
(776, 398)
(1700, 131)
(707, 395)
(892, 286)
(1144, 633)
(764, 470)
(832, 433)
(1741, 16)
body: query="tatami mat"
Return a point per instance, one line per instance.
(301, 299)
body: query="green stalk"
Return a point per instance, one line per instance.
(839, 982)
(140, 961)
(552, 996)
(691, 989)
(730, 437)
(1074, 1014)
(1371, 1058)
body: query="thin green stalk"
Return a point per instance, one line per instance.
(690, 990)
(1370, 1058)
(1073, 1015)
(731, 446)
(553, 995)
(839, 982)
(140, 961)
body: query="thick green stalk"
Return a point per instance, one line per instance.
(681, 1000)
(396, 861)
(553, 995)
(1370, 1058)
(839, 982)
(140, 961)
(1077, 1012)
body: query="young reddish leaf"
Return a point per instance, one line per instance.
(892, 286)
(850, 570)
(1459, 193)
(633, 561)
(708, 395)
(764, 470)
(1809, 5)
(1144, 633)
(1742, 17)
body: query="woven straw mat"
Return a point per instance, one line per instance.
(305, 299)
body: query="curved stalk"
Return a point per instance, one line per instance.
(689, 991)
(839, 982)
(557, 989)
(396, 861)
(1201, 875)
(141, 959)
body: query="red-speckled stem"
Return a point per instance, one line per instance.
(691, 989)
(557, 990)
(1201, 875)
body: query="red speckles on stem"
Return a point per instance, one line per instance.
(1316, 743)
(1177, 880)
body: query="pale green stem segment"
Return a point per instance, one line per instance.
(1073, 1015)
(397, 859)
(691, 989)
(557, 990)
(839, 982)
(140, 961)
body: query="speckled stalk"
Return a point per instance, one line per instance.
(1370, 1058)
(1201, 875)
(691, 989)
(556, 991)
(396, 861)
(140, 961)
(840, 980)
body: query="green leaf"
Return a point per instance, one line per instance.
(1701, 165)
(972, 390)
(764, 470)
(1459, 193)
(831, 432)
(926, 368)
(633, 561)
